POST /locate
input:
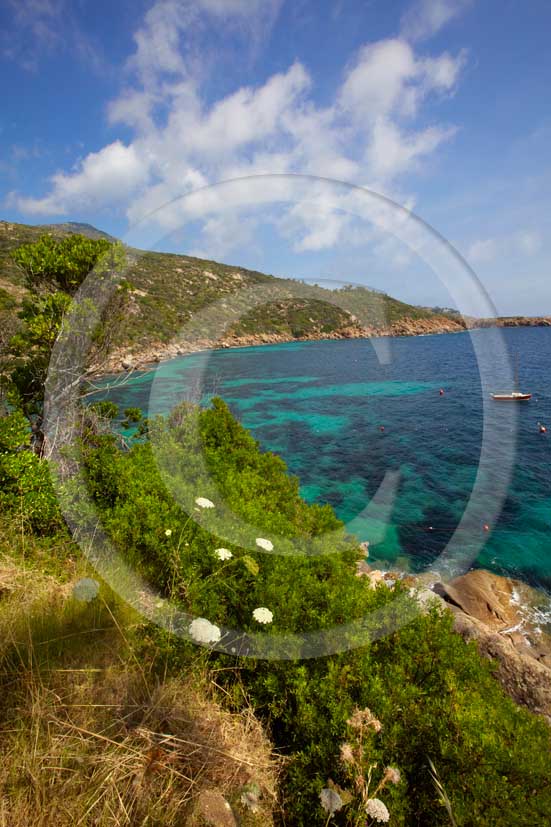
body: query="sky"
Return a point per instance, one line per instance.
(340, 123)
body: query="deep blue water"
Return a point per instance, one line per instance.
(321, 406)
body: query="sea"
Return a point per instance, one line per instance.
(399, 435)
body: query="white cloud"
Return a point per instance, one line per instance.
(520, 244)
(319, 225)
(40, 18)
(37, 28)
(169, 44)
(249, 116)
(426, 17)
(377, 82)
(390, 152)
(483, 251)
(104, 177)
(388, 78)
(529, 242)
(367, 134)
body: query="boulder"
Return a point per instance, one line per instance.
(375, 578)
(212, 808)
(484, 596)
(427, 599)
(526, 679)
(363, 569)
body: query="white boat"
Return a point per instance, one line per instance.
(513, 396)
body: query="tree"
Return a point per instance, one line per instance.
(50, 264)
(54, 270)
(31, 348)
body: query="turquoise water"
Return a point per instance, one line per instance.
(322, 406)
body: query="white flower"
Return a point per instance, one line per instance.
(202, 502)
(86, 590)
(330, 801)
(203, 631)
(168, 532)
(223, 553)
(267, 545)
(347, 755)
(263, 615)
(250, 797)
(392, 775)
(377, 810)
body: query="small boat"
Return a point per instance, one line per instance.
(513, 396)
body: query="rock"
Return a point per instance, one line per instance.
(525, 679)
(363, 569)
(427, 599)
(375, 578)
(483, 595)
(365, 547)
(394, 575)
(213, 808)
(518, 640)
(127, 364)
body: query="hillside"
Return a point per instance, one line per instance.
(167, 291)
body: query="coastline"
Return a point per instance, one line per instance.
(146, 357)
(124, 360)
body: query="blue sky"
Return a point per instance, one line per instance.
(117, 109)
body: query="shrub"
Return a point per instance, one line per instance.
(436, 699)
(25, 484)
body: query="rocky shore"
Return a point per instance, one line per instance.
(512, 321)
(145, 358)
(502, 616)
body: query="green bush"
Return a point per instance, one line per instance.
(436, 699)
(59, 264)
(25, 485)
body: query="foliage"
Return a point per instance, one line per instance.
(31, 349)
(132, 416)
(293, 317)
(25, 486)
(460, 745)
(54, 270)
(436, 700)
(162, 294)
(52, 264)
(105, 409)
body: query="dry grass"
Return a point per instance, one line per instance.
(89, 736)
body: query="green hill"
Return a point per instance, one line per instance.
(167, 291)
